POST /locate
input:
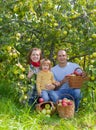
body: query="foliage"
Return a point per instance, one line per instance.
(13, 116)
(50, 25)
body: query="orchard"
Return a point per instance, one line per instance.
(49, 25)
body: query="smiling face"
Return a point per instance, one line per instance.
(62, 58)
(35, 56)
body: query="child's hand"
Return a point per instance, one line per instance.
(57, 83)
(30, 73)
(50, 86)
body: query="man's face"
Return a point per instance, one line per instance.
(62, 57)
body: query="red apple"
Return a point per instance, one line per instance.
(69, 103)
(64, 104)
(77, 73)
(41, 100)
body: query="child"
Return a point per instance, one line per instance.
(44, 79)
(34, 58)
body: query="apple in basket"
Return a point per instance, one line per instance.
(69, 103)
(64, 102)
(77, 73)
(47, 106)
(40, 100)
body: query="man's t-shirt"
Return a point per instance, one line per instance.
(61, 72)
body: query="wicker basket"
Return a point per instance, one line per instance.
(76, 81)
(41, 106)
(66, 111)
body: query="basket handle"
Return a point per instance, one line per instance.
(84, 77)
(78, 68)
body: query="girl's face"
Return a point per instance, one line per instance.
(35, 56)
(45, 67)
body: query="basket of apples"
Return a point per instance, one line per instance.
(48, 108)
(65, 108)
(75, 79)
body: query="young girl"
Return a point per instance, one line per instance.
(34, 58)
(44, 79)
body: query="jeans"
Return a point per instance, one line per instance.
(73, 94)
(49, 95)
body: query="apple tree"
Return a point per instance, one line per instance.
(49, 25)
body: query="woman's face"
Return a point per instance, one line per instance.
(35, 56)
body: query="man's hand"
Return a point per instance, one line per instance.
(66, 78)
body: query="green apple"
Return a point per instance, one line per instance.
(94, 35)
(43, 111)
(47, 106)
(65, 32)
(9, 48)
(92, 78)
(92, 61)
(21, 76)
(48, 111)
(94, 55)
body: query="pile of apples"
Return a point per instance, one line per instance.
(75, 73)
(46, 108)
(64, 102)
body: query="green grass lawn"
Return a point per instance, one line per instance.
(16, 117)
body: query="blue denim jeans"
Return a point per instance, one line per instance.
(49, 95)
(73, 94)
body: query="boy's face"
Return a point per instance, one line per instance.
(35, 56)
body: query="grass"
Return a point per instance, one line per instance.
(16, 117)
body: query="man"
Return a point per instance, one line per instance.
(60, 71)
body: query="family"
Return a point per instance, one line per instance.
(52, 82)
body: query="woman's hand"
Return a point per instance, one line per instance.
(30, 73)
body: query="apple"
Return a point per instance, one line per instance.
(47, 106)
(21, 76)
(65, 32)
(77, 73)
(92, 78)
(59, 104)
(48, 111)
(94, 55)
(69, 103)
(9, 48)
(94, 35)
(41, 100)
(64, 104)
(43, 111)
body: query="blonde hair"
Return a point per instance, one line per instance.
(45, 61)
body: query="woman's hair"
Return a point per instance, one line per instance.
(45, 61)
(30, 52)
